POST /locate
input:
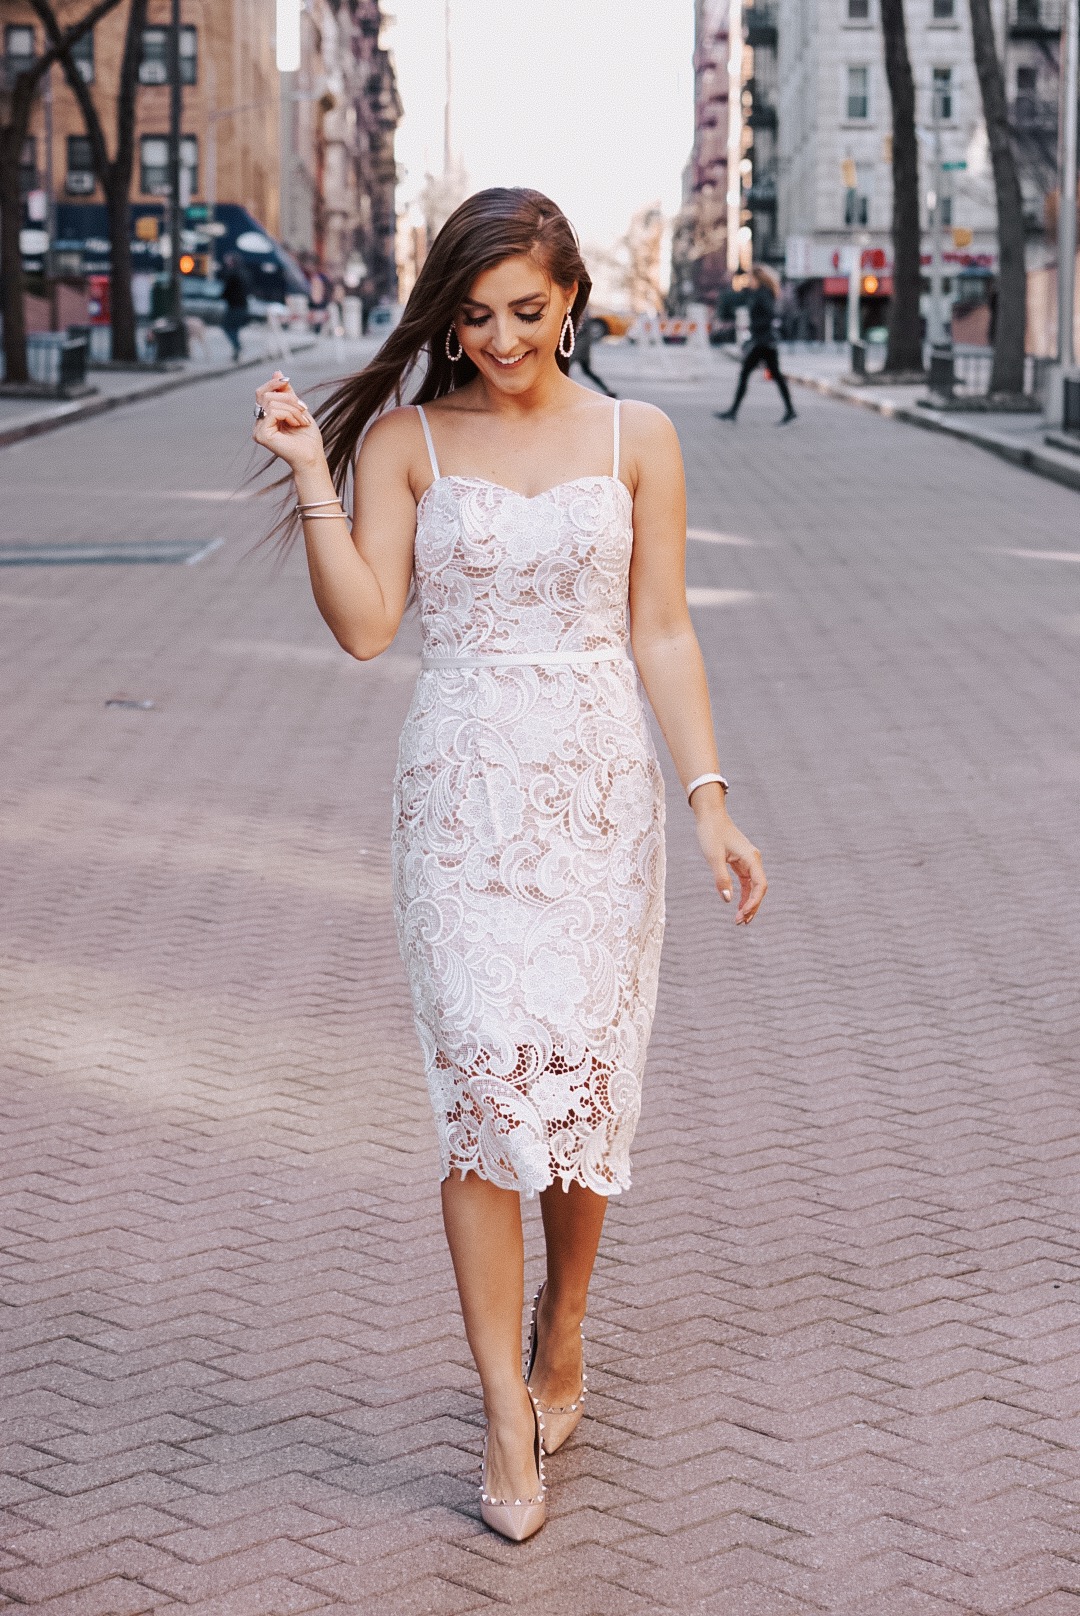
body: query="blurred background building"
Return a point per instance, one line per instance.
(278, 166)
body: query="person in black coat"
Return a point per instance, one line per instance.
(234, 290)
(762, 345)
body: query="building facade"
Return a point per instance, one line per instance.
(229, 149)
(699, 251)
(834, 153)
(339, 114)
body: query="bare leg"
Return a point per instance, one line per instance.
(483, 1230)
(573, 1220)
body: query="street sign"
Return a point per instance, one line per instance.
(954, 168)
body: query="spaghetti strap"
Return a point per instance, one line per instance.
(427, 439)
(615, 468)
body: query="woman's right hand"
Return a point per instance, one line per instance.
(287, 428)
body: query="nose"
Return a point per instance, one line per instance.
(505, 339)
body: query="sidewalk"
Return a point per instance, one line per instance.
(27, 418)
(1020, 439)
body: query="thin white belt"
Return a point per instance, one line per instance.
(528, 659)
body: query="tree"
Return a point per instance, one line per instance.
(16, 105)
(1007, 375)
(113, 174)
(904, 351)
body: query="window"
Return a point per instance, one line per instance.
(858, 92)
(1027, 80)
(154, 66)
(154, 165)
(946, 211)
(28, 169)
(858, 10)
(18, 47)
(944, 10)
(856, 207)
(942, 95)
(82, 54)
(80, 179)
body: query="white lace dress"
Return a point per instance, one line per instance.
(528, 843)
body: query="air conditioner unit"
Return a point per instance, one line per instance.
(79, 182)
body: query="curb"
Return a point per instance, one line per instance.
(1029, 459)
(83, 409)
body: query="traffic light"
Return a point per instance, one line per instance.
(870, 284)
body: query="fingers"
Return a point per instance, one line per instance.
(280, 414)
(278, 387)
(752, 886)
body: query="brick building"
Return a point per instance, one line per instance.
(699, 253)
(230, 146)
(339, 112)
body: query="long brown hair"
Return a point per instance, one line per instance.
(500, 223)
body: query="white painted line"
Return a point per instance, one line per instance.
(702, 595)
(1042, 555)
(705, 535)
(207, 549)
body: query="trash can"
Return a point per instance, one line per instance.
(56, 359)
(1071, 404)
(170, 339)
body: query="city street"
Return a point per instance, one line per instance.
(834, 1340)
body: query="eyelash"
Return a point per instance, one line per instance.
(529, 319)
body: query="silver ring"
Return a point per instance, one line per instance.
(259, 412)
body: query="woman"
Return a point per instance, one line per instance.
(762, 345)
(528, 813)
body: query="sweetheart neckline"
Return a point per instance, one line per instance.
(486, 482)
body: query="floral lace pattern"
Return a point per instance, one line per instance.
(528, 836)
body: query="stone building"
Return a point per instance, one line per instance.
(834, 174)
(339, 112)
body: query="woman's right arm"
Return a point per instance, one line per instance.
(360, 580)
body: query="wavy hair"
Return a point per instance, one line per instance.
(496, 224)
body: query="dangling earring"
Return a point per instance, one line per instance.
(568, 325)
(453, 357)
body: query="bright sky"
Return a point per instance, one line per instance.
(590, 101)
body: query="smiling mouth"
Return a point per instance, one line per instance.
(508, 364)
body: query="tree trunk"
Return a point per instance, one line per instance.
(18, 104)
(904, 351)
(114, 176)
(11, 270)
(1008, 371)
(121, 304)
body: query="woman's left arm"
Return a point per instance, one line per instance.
(666, 648)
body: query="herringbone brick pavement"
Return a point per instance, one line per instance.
(835, 1328)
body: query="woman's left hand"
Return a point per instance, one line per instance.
(724, 845)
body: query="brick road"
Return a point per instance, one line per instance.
(835, 1327)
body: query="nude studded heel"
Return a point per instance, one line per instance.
(525, 1516)
(560, 1423)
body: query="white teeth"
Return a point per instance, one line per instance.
(507, 363)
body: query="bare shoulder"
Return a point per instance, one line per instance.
(393, 436)
(649, 437)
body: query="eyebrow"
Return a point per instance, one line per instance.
(533, 297)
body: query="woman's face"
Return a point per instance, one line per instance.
(511, 321)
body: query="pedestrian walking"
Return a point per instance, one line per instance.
(582, 353)
(234, 290)
(762, 345)
(528, 853)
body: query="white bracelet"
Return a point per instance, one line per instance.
(706, 780)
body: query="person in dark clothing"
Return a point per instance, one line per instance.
(235, 292)
(762, 346)
(583, 340)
